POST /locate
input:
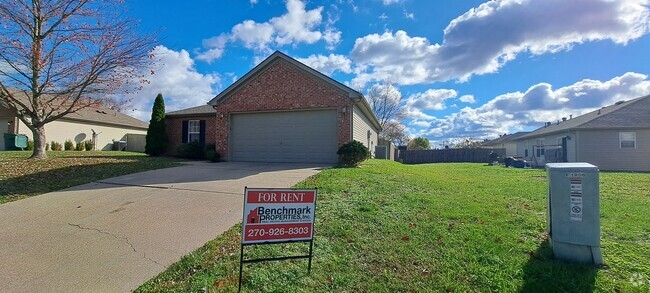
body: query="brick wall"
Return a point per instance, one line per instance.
(174, 129)
(282, 86)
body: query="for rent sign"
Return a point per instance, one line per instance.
(276, 215)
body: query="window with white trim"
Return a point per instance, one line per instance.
(627, 140)
(193, 130)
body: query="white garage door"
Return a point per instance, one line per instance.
(301, 136)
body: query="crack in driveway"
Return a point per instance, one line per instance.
(144, 255)
(168, 187)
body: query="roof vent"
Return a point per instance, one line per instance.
(570, 117)
(598, 111)
(563, 118)
(619, 102)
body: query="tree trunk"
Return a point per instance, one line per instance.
(39, 143)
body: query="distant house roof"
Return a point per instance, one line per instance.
(506, 138)
(356, 96)
(98, 115)
(107, 116)
(625, 114)
(198, 110)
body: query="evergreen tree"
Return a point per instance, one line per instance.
(156, 134)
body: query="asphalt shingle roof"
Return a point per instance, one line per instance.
(205, 109)
(629, 114)
(506, 138)
(97, 115)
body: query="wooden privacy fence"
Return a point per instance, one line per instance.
(448, 155)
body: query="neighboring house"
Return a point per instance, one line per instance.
(78, 126)
(280, 111)
(615, 137)
(507, 142)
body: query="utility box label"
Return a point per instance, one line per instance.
(576, 199)
(277, 215)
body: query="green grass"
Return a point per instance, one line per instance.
(21, 177)
(388, 227)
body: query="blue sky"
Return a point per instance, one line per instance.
(463, 68)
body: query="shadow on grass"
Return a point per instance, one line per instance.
(60, 178)
(109, 173)
(542, 273)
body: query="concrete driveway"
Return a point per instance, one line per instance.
(115, 234)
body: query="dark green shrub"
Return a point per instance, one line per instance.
(30, 145)
(56, 146)
(353, 153)
(210, 146)
(68, 145)
(88, 145)
(79, 146)
(156, 140)
(47, 146)
(192, 150)
(212, 155)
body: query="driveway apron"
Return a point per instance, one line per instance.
(115, 234)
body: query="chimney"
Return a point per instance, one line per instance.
(598, 111)
(570, 117)
(563, 118)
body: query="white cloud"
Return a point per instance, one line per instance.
(328, 64)
(467, 99)
(517, 111)
(253, 2)
(298, 25)
(389, 2)
(177, 79)
(485, 38)
(253, 35)
(383, 16)
(409, 15)
(432, 99)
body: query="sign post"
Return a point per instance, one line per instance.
(273, 216)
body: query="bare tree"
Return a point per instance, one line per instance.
(60, 56)
(395, 132)
(385, 101)
(468, 143)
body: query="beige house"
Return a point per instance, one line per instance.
(507, 142)
(616, 137)
(108, 126)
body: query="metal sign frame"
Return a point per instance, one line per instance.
(309, 256)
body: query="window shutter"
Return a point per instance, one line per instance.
(202, 132)
(184, 132)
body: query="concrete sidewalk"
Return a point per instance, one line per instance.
(115, 234)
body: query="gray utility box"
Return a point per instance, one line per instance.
(574, 212)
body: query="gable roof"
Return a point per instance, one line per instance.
(354, 95)
(506, 138)
(625, 114)
(107, 116)
(198, 110)
(96, 115)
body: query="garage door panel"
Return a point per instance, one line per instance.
(301, 136)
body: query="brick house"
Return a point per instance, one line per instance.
(280, 111)
(196, 123)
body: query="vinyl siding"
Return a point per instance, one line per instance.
(360, 127)
(550, 142)
(61, 130)
(601, 148)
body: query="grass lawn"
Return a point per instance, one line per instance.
(388, 227)
(20, 177)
